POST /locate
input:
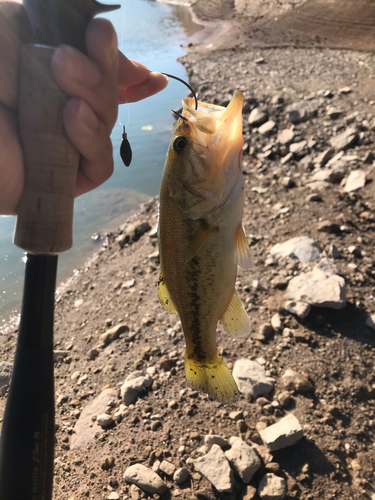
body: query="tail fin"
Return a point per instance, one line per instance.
(213, 378)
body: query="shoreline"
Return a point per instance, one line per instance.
(316, 350)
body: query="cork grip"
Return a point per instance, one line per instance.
(45, 212)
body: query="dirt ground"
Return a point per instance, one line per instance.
(334, 349)
(336, 24)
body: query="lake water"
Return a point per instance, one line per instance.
(152, 33)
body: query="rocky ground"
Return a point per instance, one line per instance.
(127, 425)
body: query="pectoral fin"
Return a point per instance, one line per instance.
(235, 319)
(199, 237)
(164, 295)
(242, 250)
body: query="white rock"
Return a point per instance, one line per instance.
(156, 466)
(233, 439)
(85, 429)
(138, 381)
(257, 117)
(113, 496)
(285, 432)
(244, 459)
(344, 140)
(181, 475)
(167, 467)
(276, 322)
(128, 284)
(300, 309)
(251, 378)
(145, 479)
(302, 248)
(211, 439)
(297, 147)
(272, 487)
(104, 420)
(318, 289)
(370, 321)
(286, 158)
(267, 127)
(215, 468)
(356, 180)
(285, 137)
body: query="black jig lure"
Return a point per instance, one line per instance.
(125, 148)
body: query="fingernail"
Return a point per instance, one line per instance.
(76, 66)
(160, 76)
(84, 113)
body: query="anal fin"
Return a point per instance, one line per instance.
(213, 378)
(164, 295)
(242, 250)
(235, 319)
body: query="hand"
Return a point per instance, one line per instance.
(99, 82)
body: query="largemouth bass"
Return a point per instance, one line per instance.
(201, 238)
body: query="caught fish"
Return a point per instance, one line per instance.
(202, 240)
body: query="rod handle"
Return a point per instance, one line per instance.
(45, 212)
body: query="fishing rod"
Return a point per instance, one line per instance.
(43, 230)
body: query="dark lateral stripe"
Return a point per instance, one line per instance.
(194, 275)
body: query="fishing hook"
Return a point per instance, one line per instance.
(125, 148)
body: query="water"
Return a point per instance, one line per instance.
(152, 33)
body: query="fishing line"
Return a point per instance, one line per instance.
(125, 148)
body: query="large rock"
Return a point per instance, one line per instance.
(145, 479)
(284, 433)
(85, 428)
(244, 459)
(272, 487)
(356, 180)
(319, 289)
(345, 140)
(251, 378)
(302, 248)
(215, 468)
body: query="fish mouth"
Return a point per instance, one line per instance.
(214, 127)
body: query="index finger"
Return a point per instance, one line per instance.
(136, 82)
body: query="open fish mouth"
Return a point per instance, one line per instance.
(214, 127)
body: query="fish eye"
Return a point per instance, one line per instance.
(180, 144)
